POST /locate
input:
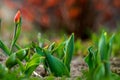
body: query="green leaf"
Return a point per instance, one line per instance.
(102, 47)
(59, 47)
(110, 46)
(21, 66)
(50, 78)
(90, 59)
(59, 50)
(33, 63)
(3, 71)
(17, 46)
(115, 76)
(107, 68)
(4, 48)
(21, 54)
(99, 72)
(51, 47)
(69, 50)
(11, 61)
(39, 51)
(107, 57)
(56, 66)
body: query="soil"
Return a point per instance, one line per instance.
(115, 65)
(2, 58)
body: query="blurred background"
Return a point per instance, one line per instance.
(56, 16)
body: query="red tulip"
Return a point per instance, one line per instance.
(17, 17)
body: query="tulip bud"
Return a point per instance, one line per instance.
(17, 17)
(17, 21)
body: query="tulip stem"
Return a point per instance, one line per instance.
(13, 40)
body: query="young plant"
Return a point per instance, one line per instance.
(16, 57)
(57, 66)
(17, 30)
(99, 60)
(34, 55)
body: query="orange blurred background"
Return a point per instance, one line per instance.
(78, 16)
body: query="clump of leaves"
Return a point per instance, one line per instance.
(56, 65)
(17, 56)
(36, 54)
(99, 60)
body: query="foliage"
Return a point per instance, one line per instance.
(56, 58)
(23, 61)
(99, 60)
(57, 66)
(116, 46)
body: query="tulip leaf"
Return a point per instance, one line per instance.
(4, 48)
(39, 51)
(11, 61)
(33, 63)
(69, 50)
(90, 59)
(102, 47)
(56, 66)
(110, 46)
(3, 71)
(21, 54)
(51, 47)
(100, 71)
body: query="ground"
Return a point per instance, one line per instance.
(78, 65)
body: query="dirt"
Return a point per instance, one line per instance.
(115, 65)
(2, 58)
(77, 66)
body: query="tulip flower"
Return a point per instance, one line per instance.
(17, 21)
(17, 17)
